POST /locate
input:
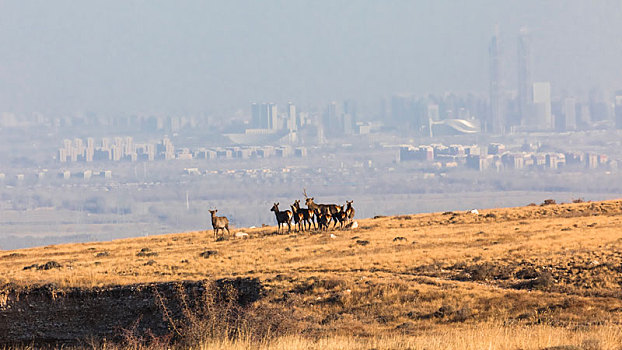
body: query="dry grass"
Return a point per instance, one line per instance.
(488, 336)
(550, 274)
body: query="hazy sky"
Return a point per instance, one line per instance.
(191, 56)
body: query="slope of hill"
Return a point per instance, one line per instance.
(557, 268)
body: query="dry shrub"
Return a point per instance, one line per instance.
(206, 254)
(543, 281)
(218, 313)
(527, 273)
(485, 272)
(548, 202)
(144, 252)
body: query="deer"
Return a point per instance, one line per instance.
(282, 217)
(342, 216)
(349, 210)
(332, 209)
(219, 223)
(308, 214)
(323, 220)
(298, 217)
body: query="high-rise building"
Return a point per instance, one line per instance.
(599, 109)
(541, 118)
(497, 120)
(618, 110)
(525, 80)
(569, 110)
(273, 118)
(264, 116)
(292, 120)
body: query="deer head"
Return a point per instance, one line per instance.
(275, 207)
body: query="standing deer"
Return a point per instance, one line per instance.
(308, 214)
(282, 217)
(219, 223)
(349, 210)
(332, 209)
(342, 217)
(298, 218)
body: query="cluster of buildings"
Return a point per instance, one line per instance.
(124, 149)
(62, 174)
(497, 157)
(528, 106)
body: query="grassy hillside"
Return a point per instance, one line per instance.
(527, 277)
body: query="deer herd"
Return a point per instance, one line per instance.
(316, 216)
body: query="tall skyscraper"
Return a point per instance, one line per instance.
(264, 116)
(541, 117)
(618, 110)
(525, 80)
(292, 120)
(273, 118)
(569, 109)
(255, 115)
(497, 120)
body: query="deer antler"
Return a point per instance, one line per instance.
(304, 191)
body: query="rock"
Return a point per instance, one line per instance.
(333, 236)
(474, 211)
(241, 235)
(352, 225)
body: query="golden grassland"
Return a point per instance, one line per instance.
(515, 278)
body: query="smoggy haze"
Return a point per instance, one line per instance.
(162, 56)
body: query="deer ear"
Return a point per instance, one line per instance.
(278, 203)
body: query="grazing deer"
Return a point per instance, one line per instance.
(308, 214)
(298, 218)
(282, 217)
(349, 210)
(219, 223)
(323, 220)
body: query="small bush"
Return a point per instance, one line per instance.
(543, 281)
(206, 254)
(548, 202)
(146, 252)
(527, 273)
(47, 266)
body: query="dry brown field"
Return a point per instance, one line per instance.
(532, 277)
